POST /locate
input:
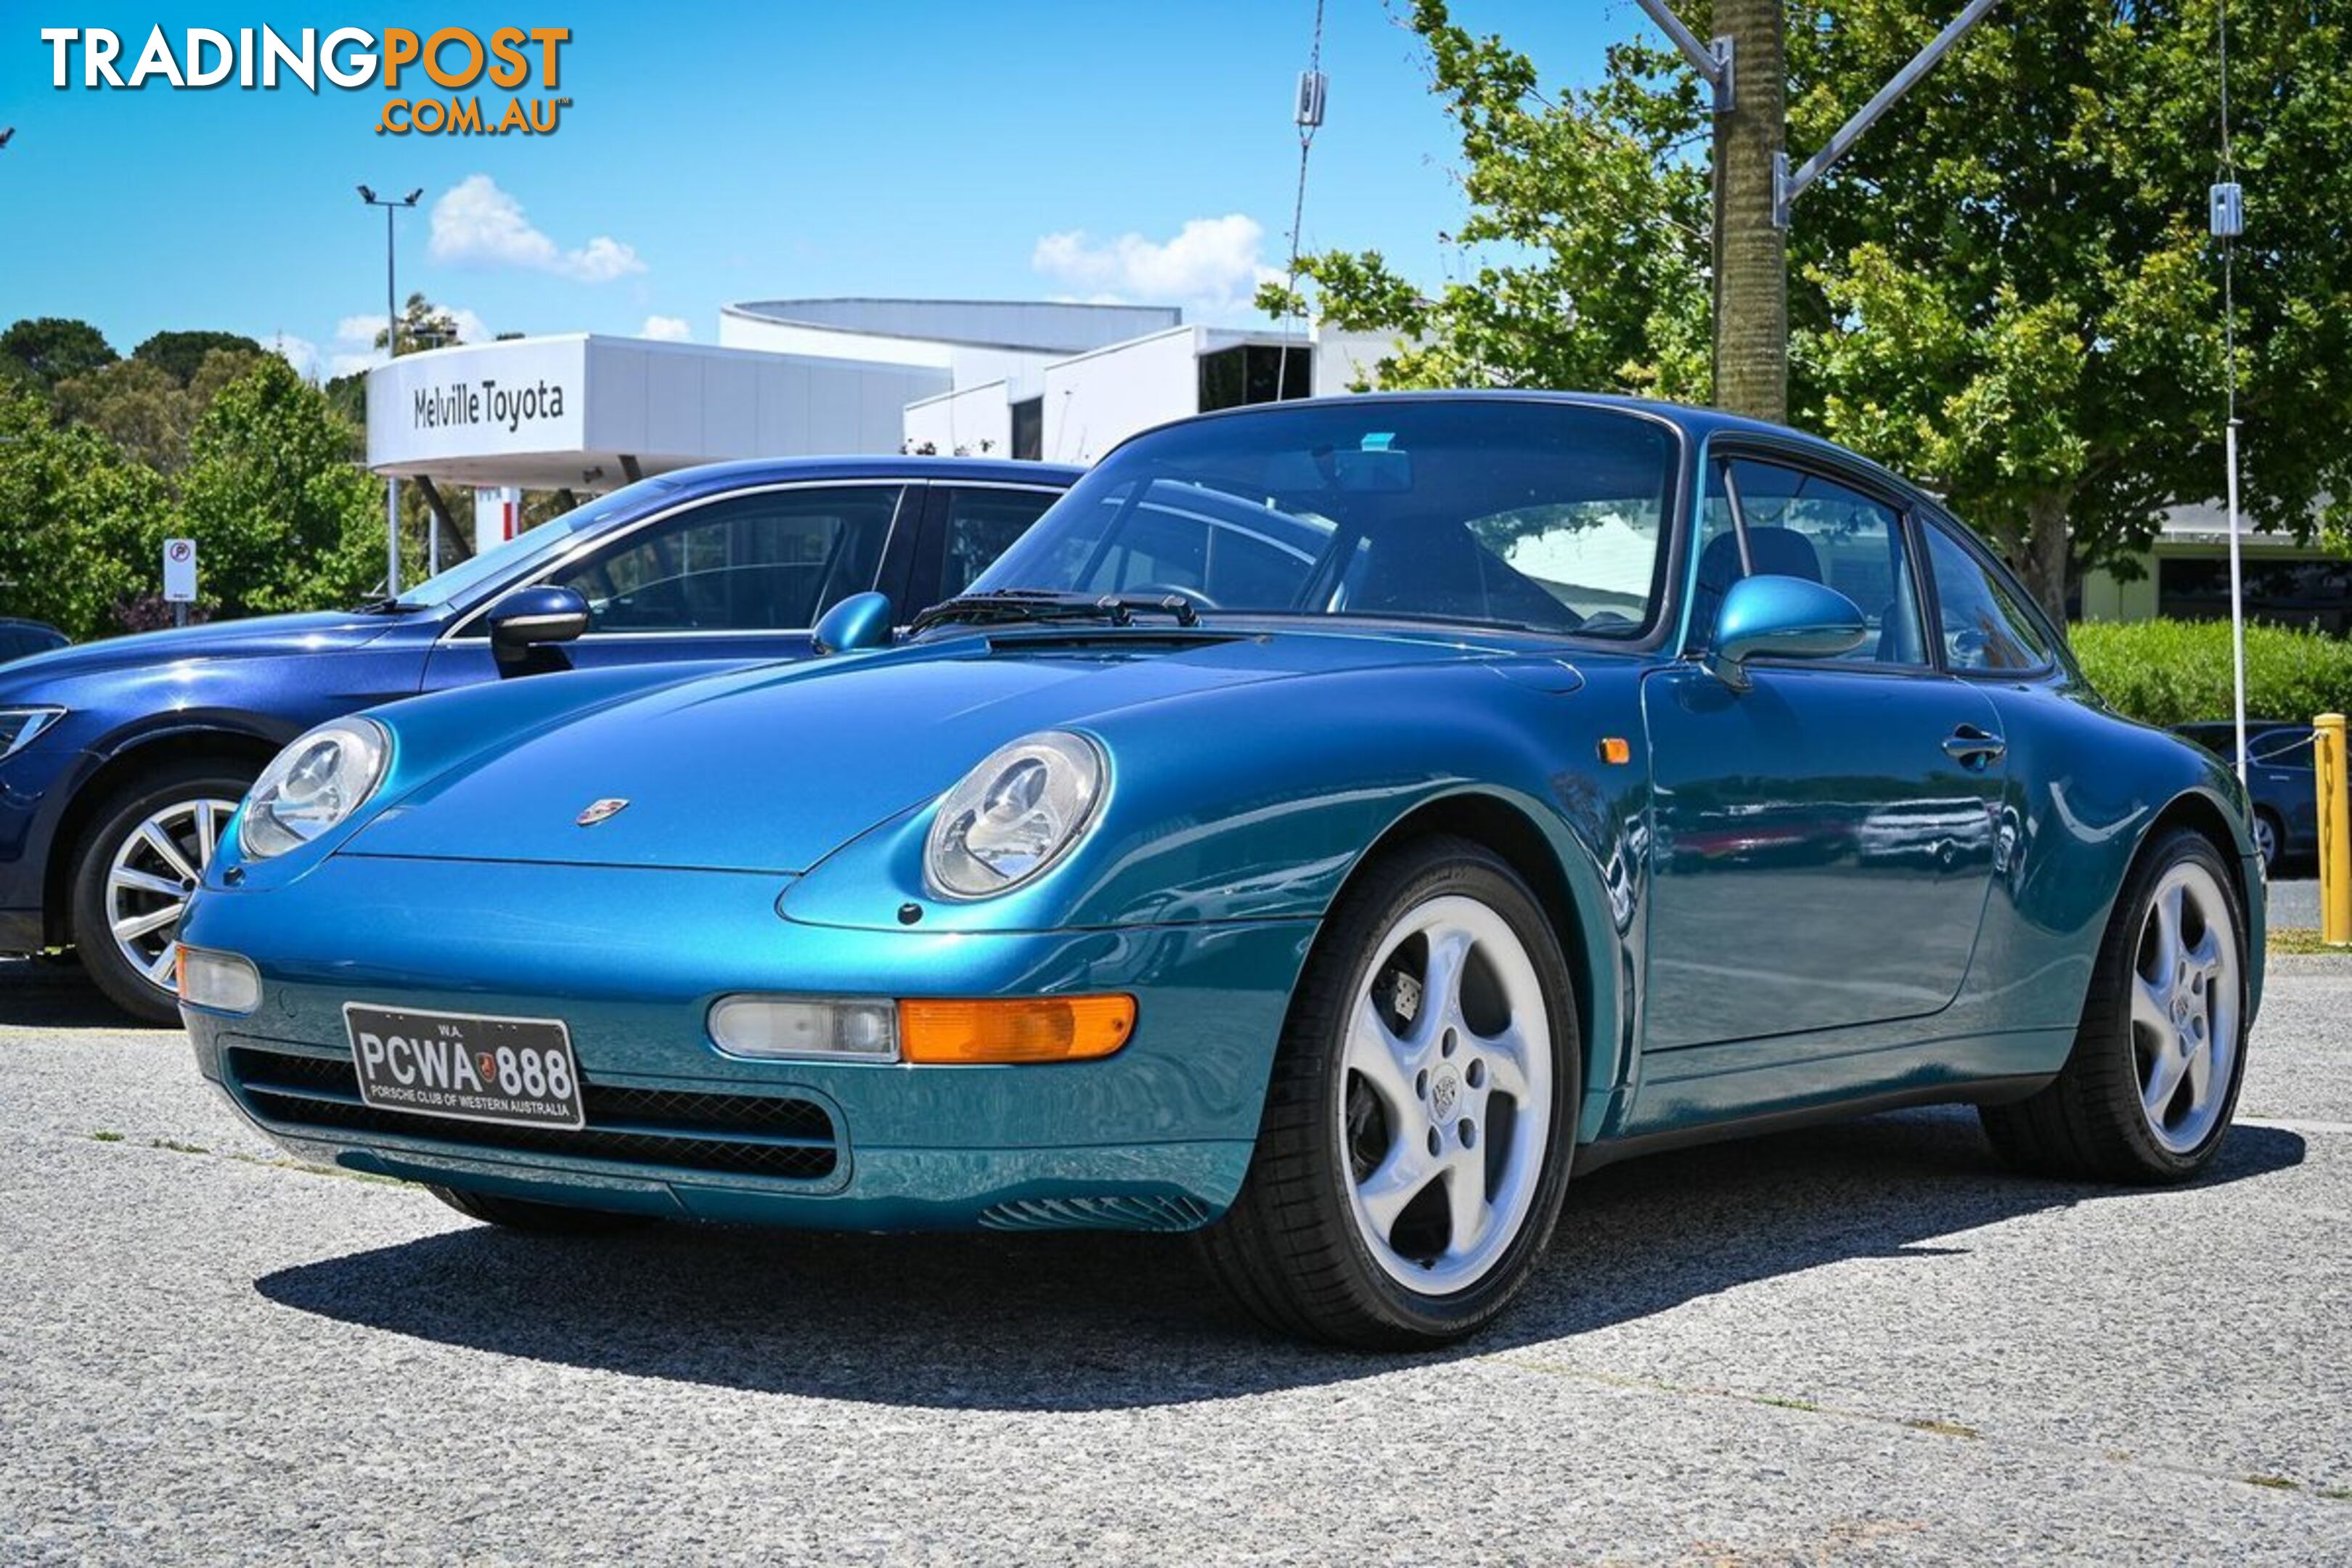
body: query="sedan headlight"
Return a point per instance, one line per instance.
(20, 725)
(1013, 815)
(315, 783)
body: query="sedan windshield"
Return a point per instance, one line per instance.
(535, 545)
(1543, 516)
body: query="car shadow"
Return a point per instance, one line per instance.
(1104, 1322)
(52, 991)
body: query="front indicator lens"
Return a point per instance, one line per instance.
(804, 1028)
(1030, 1029)
(218, 982)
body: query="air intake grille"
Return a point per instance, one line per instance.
(1120, 1212)
(737, 1134)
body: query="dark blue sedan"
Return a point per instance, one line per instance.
(120, 761)
(2281, 779)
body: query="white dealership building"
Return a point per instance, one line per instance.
(585, 413)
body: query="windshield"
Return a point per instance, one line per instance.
(518, 554)
(1545, 516)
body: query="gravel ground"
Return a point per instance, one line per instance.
(1860, 1345)
(2294, 905)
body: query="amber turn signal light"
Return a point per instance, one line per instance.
(1025, 1029)
(1615, 752)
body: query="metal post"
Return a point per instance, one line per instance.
(1714, 60)
(391, 481)
(392, 207)
(2334, 830)
(2237, 601)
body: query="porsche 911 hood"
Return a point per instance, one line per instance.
(773, 770)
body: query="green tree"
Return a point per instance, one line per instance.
(144, 409)
(282, 518)
(182, 354)
(424, 325)
(47, 349)
(2006, 291)
(77, 508)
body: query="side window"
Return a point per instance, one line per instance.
(772, 562)
(981, 524)
(1802, 525)
(1985, 626)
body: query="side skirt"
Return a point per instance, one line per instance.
(1982, 1091)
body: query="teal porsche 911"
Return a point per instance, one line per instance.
(1332, 827)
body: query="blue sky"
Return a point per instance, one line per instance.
(732, 150)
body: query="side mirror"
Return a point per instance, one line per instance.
(526, 625)
(1781, 617)
(860, 621)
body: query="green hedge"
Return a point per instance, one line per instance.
(2174, 672)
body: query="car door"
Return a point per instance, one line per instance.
(1822, 842)
(739, 576)
(965, 528)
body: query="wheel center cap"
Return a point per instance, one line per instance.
(1444, 1093)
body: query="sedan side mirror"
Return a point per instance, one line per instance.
(860, 621)
(526, 625)
(1781, 617)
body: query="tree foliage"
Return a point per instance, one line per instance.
(282, 518)
(75, 506)
(147, 410)
(181, 355)
(47, 349)
(2006, 291)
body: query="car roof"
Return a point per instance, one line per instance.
(937, 470)
(1698, 423)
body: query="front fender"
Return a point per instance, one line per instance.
(1226, 806)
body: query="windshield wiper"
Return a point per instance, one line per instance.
(382, 607)
(1007, 604)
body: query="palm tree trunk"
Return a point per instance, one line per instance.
(1751, 256)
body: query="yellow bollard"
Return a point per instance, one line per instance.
(2334, 831)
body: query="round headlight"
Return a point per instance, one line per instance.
(320, 779)
(1013, 815)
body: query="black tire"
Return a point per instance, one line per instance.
(117, 818)
(545, 1219)
(1289, 1250)
(2088, 1123)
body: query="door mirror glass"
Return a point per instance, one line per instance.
(1781, 617)
(860, 621)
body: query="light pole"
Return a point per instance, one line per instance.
(391, 351)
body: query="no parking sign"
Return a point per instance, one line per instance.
(180, 571)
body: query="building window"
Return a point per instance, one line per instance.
(1254, 373)
(1029, 429)
(2310, 592)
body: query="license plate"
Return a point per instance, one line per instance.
(514, 1070)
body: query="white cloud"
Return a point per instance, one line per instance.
(1211, 266)
(476, 222)
(668, 329)
(339, 365)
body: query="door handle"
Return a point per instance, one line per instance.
(1974, 748)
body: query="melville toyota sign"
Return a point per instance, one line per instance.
(511, 398)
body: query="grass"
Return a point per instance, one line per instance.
(302, 1167)
(2303, 941)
